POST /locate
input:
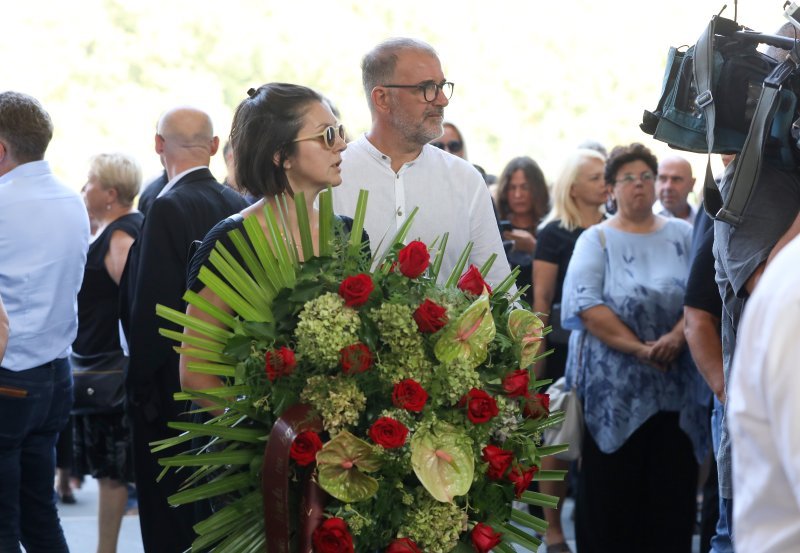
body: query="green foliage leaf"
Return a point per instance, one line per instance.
(238, 347)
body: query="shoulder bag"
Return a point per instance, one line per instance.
(99, 382)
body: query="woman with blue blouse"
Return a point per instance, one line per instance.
(645, 404)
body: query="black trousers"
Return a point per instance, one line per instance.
(642, 497)
(165, 529)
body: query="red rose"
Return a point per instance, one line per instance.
(484, 538)
(481, 407)
(332, 536)
(280, 362)
(430, 316)
(537, 407)
(515, 383)
(388, 433)
(499, 460)
(521, 478)
(355, 358)
(304, 448)
(414, 259)
(473, 282)
(356, 289)
(409, 395)
(403, 545)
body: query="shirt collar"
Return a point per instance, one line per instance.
(382, 158)
(176, 178)
(30, 169)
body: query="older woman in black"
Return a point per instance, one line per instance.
(102, 442)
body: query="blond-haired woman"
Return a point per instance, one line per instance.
(579, 194)
(102, 442)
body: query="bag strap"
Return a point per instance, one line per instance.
(748, 166)
(703, 69)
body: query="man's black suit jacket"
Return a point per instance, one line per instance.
(150, 192)
(156, 274)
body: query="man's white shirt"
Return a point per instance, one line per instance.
(450, 193)
(764, 410)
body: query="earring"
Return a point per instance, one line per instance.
(108, 207)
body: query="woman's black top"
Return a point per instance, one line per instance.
(98, 299)
(554, 244)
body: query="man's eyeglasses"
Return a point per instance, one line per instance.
(328, 136)
(429, 89)
(451, 146)
(645, 177)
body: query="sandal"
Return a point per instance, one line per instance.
(561, 547)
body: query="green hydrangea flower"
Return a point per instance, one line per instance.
(507, 421)
(406, 357)
(326, 326)
(458, 377)
(339, 401)
(433, 525)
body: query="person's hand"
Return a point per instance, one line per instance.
(667, 348)
(645, 354)
(523, 240)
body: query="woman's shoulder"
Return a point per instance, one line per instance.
(130, 223)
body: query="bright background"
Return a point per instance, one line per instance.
(532, 77)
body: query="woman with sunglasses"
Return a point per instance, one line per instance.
(645, 404)
(451, 141)
(285, 141)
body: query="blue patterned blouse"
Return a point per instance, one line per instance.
(642, 279)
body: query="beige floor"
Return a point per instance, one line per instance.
(80, 523)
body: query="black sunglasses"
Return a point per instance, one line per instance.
(328, 136)
(451, 146)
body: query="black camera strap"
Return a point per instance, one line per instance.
(748, 164)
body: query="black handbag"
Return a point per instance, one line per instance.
(99, 382)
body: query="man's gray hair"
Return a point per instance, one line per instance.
(379, 64)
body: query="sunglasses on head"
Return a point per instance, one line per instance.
(328, 136)
(451, 146)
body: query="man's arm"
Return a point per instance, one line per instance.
(160, 279)
(701, 329)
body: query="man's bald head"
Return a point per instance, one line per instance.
(673, 185)
(185, 139)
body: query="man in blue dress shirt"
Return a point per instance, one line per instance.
(44, 235)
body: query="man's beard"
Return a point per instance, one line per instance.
(416, 131)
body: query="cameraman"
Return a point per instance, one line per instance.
(741, 253)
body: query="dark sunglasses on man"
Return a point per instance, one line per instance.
(328, 136)
(452, 146)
